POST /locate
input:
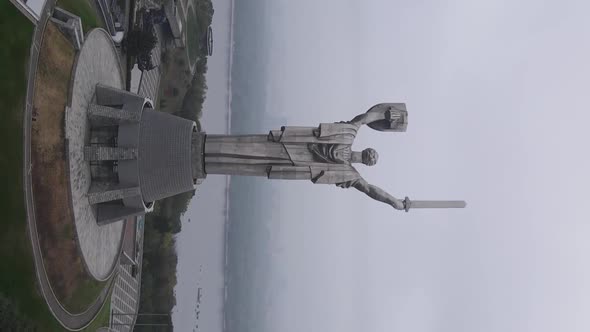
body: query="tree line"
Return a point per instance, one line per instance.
(159, 256)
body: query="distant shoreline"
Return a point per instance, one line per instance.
(228, 178)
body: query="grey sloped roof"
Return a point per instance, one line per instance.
(164, 155)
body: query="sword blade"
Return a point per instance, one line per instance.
(437, 204)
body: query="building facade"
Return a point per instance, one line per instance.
(137, 155)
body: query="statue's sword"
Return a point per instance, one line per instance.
(408, 204)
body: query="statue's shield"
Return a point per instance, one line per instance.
(395, 114)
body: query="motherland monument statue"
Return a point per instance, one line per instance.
(322, 154)
(135, 155)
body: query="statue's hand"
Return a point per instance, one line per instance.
(388, 117)
(398, 204)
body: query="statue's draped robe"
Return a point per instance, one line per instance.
(320, 154)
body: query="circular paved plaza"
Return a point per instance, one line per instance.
(97, 63)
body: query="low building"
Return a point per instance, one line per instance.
(70, 25)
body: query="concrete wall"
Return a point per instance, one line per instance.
(31, 9)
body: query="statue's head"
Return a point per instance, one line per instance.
(370, 157)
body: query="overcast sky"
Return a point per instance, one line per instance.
(497, 95)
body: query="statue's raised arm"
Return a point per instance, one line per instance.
(406, 204)
(374, 192)
(384, 117)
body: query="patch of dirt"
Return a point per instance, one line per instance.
(55, 221)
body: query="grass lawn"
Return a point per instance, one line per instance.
(73, 286)
(17, 279)
(84, 294)
(103, 317)
(84, 9)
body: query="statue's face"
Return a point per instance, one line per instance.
(370, 157)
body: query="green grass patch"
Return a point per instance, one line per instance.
(73, 286)
(17, 279)
(85, 294)
(102, 320)
(85, 10)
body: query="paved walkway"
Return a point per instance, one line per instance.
(125, 298)
(97, 63)
(149, 83)
(72, 322)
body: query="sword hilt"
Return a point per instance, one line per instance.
(407, 204)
